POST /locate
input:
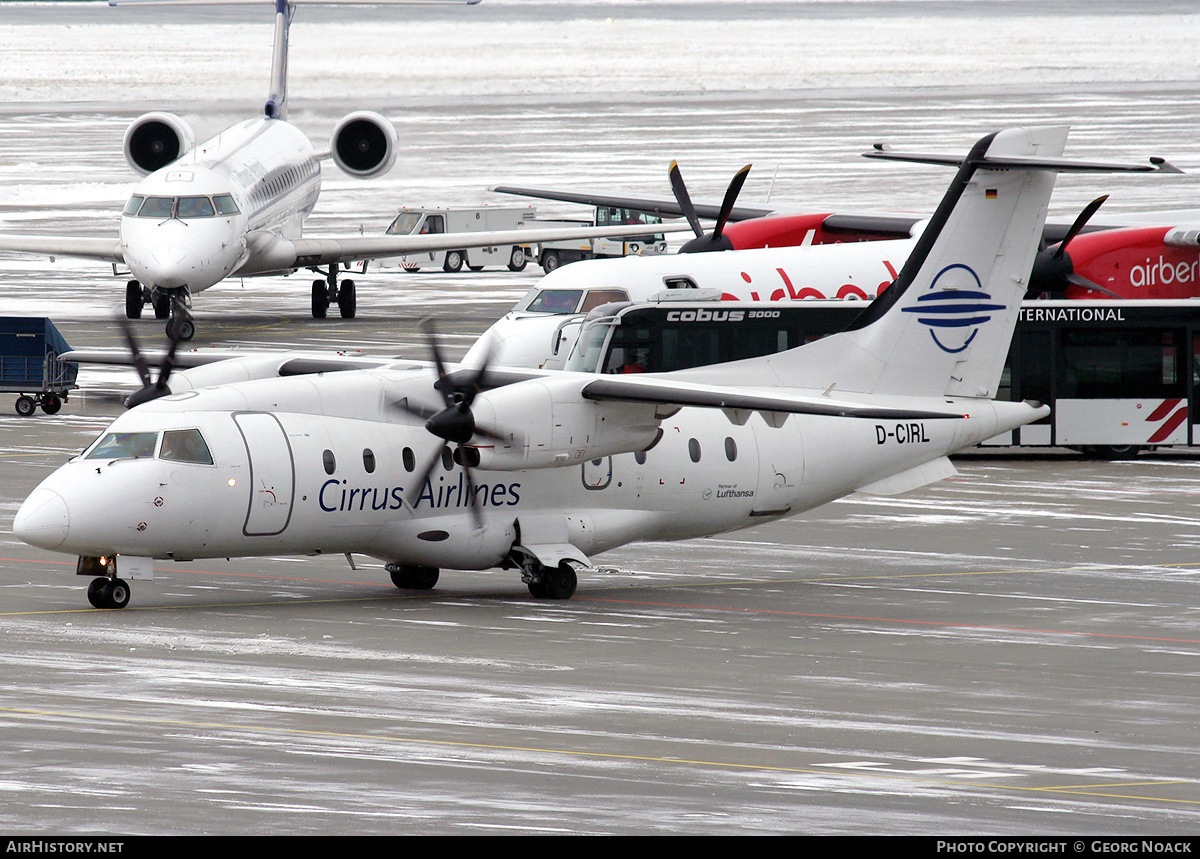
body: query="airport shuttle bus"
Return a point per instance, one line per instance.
(1120, 376)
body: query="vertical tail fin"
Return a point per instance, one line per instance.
(943, 327)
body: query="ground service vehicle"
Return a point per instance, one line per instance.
(29, 364)
(550, 255)
(462, 219)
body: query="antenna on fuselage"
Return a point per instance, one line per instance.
(276, 107)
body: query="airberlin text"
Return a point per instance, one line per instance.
(913, 433)
(337, 496)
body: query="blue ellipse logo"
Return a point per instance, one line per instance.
(954, 307)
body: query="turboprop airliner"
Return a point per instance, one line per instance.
(428, 466)
(234, 205)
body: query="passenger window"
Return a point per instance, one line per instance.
(185, 446)
(694, 449)
(730, 449)
(329, 461)
(369, 460)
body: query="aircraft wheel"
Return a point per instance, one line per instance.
(51, 403)
(453, 261)
(538, 590)
(162, 307)
(413, 576)
(517, 261)
(550, 261)
(108, 593)
(133, 300)
(26, 406)
(320, 299)
(347, 299)
(560, 583)
(181, 329)
(95, 592)
(117, 593)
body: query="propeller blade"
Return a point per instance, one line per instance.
(1083, 283)
(1080, 222)
(139, 360)
(684, 199)
(731, 195)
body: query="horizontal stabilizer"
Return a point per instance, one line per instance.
(914, 478)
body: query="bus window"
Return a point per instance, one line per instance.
(1121, 364)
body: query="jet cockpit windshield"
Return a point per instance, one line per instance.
(184, 208)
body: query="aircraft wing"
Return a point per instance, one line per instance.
(632, 389)
(315, 251)
(667, 208)
(107, 250)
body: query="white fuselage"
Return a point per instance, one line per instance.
(537, 332)
(285, 478)
(272, 173)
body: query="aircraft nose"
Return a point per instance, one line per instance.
(43, 520)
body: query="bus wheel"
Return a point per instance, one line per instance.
(1114, 452)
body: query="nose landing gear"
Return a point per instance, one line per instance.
(174, 305)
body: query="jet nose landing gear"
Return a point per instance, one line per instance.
(106, 590)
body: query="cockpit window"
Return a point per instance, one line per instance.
(124, 445)
(157, 207)
(194, 207)
(556, 301)
(185, 446)
(180, 207)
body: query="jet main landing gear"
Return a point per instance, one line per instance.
(329, 291)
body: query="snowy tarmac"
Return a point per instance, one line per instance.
(1013, 651)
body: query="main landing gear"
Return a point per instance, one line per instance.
(551, 583)
(548, 583)
(329, 291)
(413, 576)
(173, 305)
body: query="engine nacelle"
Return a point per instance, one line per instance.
(156, 139)
(552, 426)
(364, 144)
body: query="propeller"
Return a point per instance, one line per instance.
(716, 241)
(455, 423)
(1053, 270)
(150, 390)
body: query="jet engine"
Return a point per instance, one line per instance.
(154, 140)
(364, 144)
